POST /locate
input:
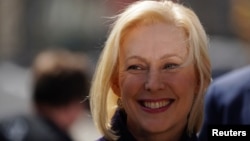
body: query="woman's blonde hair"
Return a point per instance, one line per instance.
(103, 99)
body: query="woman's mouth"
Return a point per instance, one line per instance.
(156, 105)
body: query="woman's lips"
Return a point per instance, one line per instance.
(155, 106)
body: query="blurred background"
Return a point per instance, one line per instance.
(30, 26)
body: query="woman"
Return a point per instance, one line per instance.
(152, 74)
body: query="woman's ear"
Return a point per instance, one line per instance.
(198, 85)
(115, 86)
(197, 88)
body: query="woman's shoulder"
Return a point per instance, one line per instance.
(187, 137)
(192, 137)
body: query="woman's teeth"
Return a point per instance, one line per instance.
(156, 105)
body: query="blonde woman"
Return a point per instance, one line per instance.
(151, 77)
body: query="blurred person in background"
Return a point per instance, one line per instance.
(227, 102)
(227, 98)
(60, 83)
(152, 75)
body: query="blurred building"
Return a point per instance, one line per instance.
(28, 26)
(227, 24)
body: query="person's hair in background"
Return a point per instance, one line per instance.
(103, 99)
(60, 79)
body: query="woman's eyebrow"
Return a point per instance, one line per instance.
(137, 57)
(170, 55)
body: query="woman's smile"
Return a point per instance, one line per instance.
(155, 105)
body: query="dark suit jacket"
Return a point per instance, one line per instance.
(228, 101)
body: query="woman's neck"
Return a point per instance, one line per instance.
(171, 134)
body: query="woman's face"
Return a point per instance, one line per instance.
(156, 82)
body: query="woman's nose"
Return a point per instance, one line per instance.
(154, 81)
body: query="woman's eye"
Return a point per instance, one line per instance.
(171, 66)
(134, 67)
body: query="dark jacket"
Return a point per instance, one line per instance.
(227, 101)
(119, 125)
(31, 128)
